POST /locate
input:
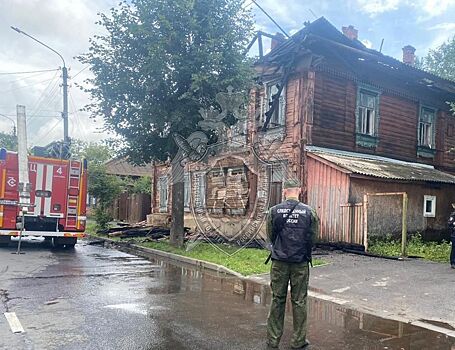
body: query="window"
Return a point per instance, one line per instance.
(163, 189)
(426, 145)
(278, 117)
(199, 190)
(367, 116)
(426, 127)
(429, 206)
(187, 191)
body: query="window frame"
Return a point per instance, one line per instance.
(433, 110)
(280, 120)
(424, 150)
(163, 204)
(186, 191)
(367, 139)
(200, 190)
(432, 213)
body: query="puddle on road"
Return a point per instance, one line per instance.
(331, 326)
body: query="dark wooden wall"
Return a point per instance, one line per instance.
(334, 124)
(384, 213)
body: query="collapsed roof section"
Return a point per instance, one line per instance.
(320, 46)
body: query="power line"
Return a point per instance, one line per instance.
(40, 100)
(74, 76)
(48, 132)
(26, 78)
(76, 113)
(25, 86)
(271, 18)
(29, 72)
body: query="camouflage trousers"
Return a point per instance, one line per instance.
(281, 274)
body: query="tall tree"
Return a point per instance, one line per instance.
(8, 141)
(158, 64)
(441, 61)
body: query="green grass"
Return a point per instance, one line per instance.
(91, 227)
(431, 251)
(247, 261)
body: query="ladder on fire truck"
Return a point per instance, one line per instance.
(74, 179)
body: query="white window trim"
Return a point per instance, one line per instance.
(163, 201)
(202, 178)
(187, 191)
(431, 214)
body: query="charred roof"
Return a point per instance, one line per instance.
(349, 58)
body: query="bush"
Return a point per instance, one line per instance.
(432, 251)
(102, 217)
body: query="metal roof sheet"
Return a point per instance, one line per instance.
(120, 166)
(381, 167)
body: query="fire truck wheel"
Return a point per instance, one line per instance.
(4, 241)
(64, 242)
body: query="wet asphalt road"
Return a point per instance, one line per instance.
(97, 298)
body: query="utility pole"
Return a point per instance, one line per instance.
(66, 138)
(65, 104)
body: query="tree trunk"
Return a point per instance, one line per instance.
(177, 224)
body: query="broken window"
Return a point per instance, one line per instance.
(278, 117)
(163, 190)
(426, 127)
(367, 107)
(367, 115)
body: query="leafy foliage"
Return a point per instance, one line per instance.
(441, 61)
(140, 185)
(103, 186)
(8, 141)
(95, 153)
(159, 62)
(432, 251)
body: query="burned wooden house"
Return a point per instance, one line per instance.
(352, 124)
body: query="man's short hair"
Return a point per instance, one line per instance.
(291, 183)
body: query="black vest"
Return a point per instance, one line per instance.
(292, 235)
(451, 224)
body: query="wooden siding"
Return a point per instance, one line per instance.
(334, 124)
(131, 208)
(328, 190)
(384, 213)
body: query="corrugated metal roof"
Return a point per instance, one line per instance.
(382, 167)
(120, 166)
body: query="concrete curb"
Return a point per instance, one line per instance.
(153, 253)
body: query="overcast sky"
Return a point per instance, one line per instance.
(66, 25)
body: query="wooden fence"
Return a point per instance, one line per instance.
(132, 207)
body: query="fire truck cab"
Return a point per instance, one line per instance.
(58, 194)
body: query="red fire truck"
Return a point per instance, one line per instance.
(58, 194)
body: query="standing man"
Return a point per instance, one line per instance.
(452, 237)
(291, 227)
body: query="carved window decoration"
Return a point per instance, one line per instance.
(278, 118)
(163, 189)
(199, 192)
(187, 191)
(367, 115)
(426, 143)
